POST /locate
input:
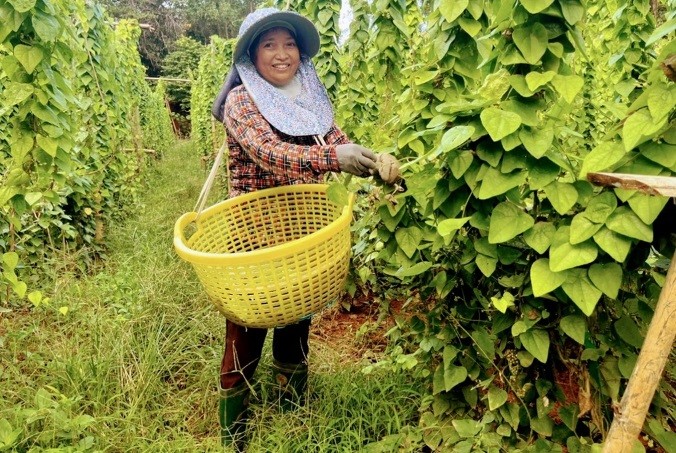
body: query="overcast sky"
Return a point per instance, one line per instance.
(344, 22)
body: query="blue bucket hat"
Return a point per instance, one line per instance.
(259, 21)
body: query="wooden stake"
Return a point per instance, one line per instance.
(653, 185)
(643, 381)
(169, 79)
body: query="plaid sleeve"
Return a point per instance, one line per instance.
(249, 128)
(337, 136)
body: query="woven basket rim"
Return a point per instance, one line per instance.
(280, 251)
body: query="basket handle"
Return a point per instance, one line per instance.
(179, 230)
(206, 188)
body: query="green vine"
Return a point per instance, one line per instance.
(68, 162)
(523, 272)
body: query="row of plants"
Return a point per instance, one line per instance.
(532, 283)
(77, 124)
(528, 289)
(212, 69)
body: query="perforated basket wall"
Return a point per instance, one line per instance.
(270, 257)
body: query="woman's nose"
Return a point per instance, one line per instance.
(282, 54)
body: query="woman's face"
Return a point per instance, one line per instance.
(277, 56)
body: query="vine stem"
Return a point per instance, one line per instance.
(457, 324)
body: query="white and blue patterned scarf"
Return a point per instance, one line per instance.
(309, 113)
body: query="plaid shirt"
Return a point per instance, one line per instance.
(262, 157)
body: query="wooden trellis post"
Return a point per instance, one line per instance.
(652, 358)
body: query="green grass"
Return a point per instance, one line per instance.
(127, 359)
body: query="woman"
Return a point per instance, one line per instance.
(280, 128)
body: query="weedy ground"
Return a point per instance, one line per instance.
(126, 358)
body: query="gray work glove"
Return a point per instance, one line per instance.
(355, 159)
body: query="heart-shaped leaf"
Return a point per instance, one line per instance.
(662, 153)
(47, 27)
(15, 93)
(452, 138)
(496, 397)
(408, 239)
(639, 127)
(22, 6)
(495, 182)
(539, 238)
(537, 141)
(416, 269)
(562, 196)
(28, 56)
(647, 207)
(568, 86)
(627, 329)
(453, 10)
(564, 255)
(535, 80)
(625, 222)
(460, 163)
(602, 157)
(615, 245)
(581, 228)
(10, 260)
(581, 290)
(600, 207)
(575, 327)
(543, 279)
(503, 303)
(508, 221)
(32, 197)
(499, 123)
(661, 100)
(486, 264)
(448, 226)
(573, 10)
(535, 6)
(531, 41)
(536, 341)
(606, 277)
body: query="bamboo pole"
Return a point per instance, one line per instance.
(169, 79)
(633, 408)
(653, 185)
(647, 373)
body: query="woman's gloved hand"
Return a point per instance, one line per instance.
(355, 159)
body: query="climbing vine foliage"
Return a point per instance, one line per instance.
(529, 303)
(77, 122)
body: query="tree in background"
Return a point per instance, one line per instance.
(167, 22)
(215, 17)
(181, 63)
(171, 19)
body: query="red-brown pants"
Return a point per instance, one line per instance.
(243, 347)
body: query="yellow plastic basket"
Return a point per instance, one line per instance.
(270, 257)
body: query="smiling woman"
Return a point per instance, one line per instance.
(281, 131)
(277, 57)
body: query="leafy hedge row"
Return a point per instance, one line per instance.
(75, 118)
(207, 134)
(533, 283)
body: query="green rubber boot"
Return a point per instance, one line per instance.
(290, 380)
(232, 415)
